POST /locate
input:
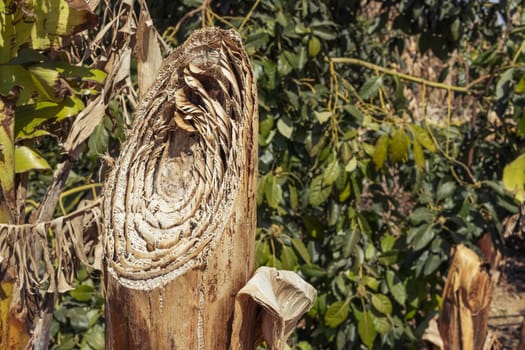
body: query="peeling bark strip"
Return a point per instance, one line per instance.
(179, 205)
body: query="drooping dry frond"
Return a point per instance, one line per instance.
(28, 246)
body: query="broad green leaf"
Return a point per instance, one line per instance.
(380, 150)
(336, 314)
(331, 173)
(432, 264)
(55, 19)
(351, 239)
(95, 337)
(301, 249)
(98, 141)
(419, 157)
(421, 214)
(422, 136)
(11, 75)
(421, 236)
(30, 117)
(382, 325)
(78, 319)
(446, 190)
(82, 293)
(396, 288)
(262, 252)
(28, 159)
(370, 87)
(288, 258)
(314, 46)
(520, 87)
(45, 80)
(318, 193)
(399, 145)
(351, 165)
(382, 304)
(285, 127)
(313, 270)
(274, 261)
(272, 191)
(366, 329)
(514, 177)
(323, 117)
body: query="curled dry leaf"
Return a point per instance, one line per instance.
(268, 308)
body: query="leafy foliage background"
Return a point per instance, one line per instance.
(368, 178)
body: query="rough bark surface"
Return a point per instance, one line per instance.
(179, 207)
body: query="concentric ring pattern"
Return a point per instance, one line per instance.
(173, 187)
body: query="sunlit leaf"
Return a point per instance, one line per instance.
(314, 46)
(382, 304)
(336, 314)
(514, 177)
(288, 258)
(419, 157)
(366, 329)
(318, 193)
(27, 159)
(82, 293)
(399, 145)
(380, 150)
(422, 136)
(331, 173)
(285, 127)
(272, 191)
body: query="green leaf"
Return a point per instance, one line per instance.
(396, 288)
(294, 198)
(98, 141)
(285, 127)
(399, 145)
(288, 258)
(520, 87)
(313, 270)
(419, 157)
(82, 293)
(78, 319)
(382, 325)
(366, 329)
(421, 214)
(422, 136)
(514, 177)
(382, 304)
(331, 173)
(301, 249)
(314, 46)
(380, 150)
(421, 236)
(323, 117)
(336, 314)
(318, 193)
(95, 337)
(272, 191)
(446, 190)
(370, 87)
(262, 252)
(27, 159)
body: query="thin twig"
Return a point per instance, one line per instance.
(355, 61)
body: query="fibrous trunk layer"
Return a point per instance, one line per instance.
(179, 206)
